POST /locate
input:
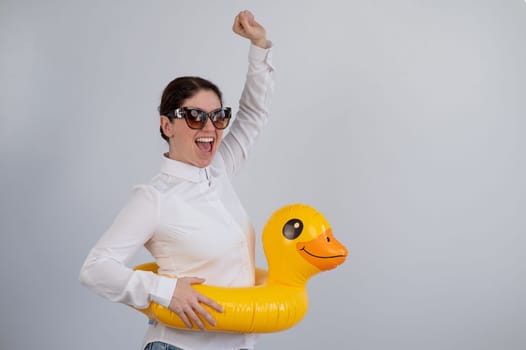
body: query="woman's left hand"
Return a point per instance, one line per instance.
(246, 26)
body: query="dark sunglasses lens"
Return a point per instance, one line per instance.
(221, 118)
(195, 119)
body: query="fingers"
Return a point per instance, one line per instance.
(207, 301)
(187, 303)
(191, 313)
(205, 314)
(236, 27)
(195, 280)
(189, 316)
(243, 23)
(185, 319)
(246, 19)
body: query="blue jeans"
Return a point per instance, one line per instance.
(163, 346)
(160, 346)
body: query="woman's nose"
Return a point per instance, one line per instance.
(208, 124)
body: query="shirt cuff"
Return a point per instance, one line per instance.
(259, 54)
(165, 290)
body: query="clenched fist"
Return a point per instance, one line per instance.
(246, 26)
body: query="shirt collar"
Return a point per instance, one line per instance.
(182, 170)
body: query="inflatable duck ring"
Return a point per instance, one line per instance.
(298, 244)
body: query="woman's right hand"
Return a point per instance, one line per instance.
(186, 303)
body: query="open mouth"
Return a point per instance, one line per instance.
(205, 144)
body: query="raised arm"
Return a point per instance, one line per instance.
(255, 99)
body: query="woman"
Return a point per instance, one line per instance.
(189, 216)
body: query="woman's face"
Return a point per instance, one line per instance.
(195, 147)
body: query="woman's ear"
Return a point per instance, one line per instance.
(167, 126)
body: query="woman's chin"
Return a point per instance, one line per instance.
(203, 161)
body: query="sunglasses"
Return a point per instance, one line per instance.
(196, 118)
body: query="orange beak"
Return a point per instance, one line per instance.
(324, 252)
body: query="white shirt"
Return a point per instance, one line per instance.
(192, 222)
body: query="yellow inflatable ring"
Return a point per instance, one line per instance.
(298, 243)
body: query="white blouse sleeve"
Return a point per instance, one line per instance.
(253, 109)
(105, 271)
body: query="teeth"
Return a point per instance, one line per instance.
(205, 139)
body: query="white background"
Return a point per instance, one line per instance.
(402, 121)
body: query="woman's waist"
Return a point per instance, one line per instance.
(224, 273)
(189, 339)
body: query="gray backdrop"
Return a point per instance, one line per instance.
(402, 121)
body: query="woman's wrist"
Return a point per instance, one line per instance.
(262, 43)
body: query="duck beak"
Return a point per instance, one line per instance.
(324, 252)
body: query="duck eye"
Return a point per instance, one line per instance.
(292, 229)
